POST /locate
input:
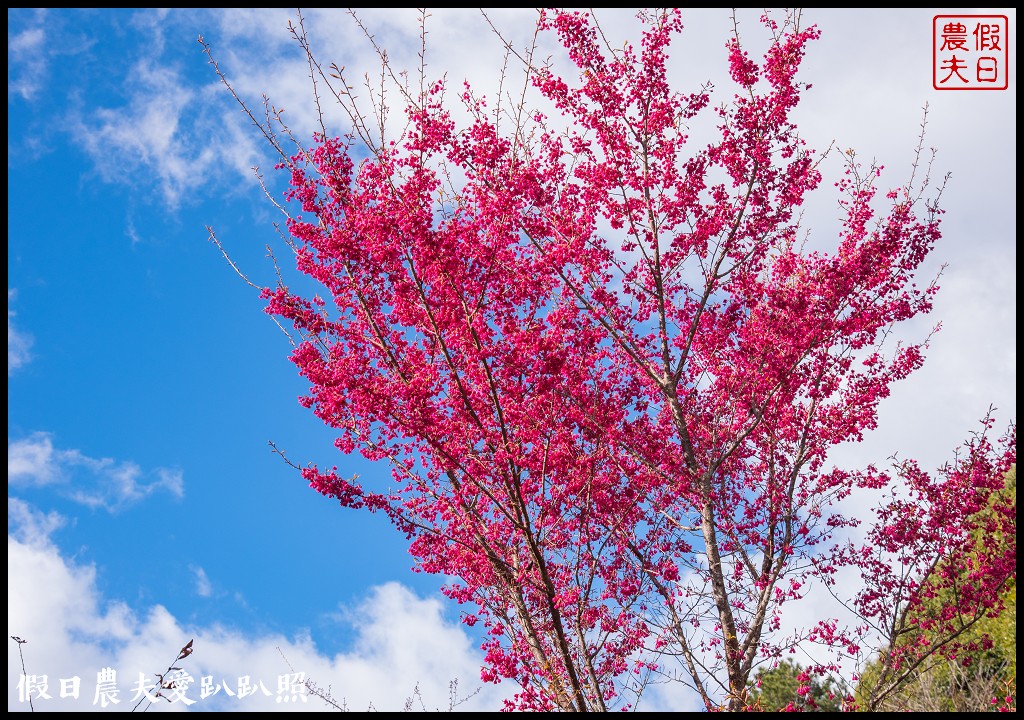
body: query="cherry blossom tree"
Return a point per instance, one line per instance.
(606, 368)
(925, 603)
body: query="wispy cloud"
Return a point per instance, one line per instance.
(18, 342)
(146, 132)
(31, 460)
(29, 526)
(169, 132)
(185, 137)
(94, 482)
(26, 57)
(203, 586)
(402, 641)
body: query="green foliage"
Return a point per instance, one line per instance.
(774, 689)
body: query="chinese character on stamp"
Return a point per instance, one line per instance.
(970, 52)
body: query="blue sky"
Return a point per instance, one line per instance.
(144, 505)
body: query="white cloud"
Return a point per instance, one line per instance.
(169, 132)
(28, 525)
(26, 42)
(30, 460)
(146, 132)
(26, 57)
(97, 483)
(18, 342)
(203, 586)
(402, 641)
(187, 137)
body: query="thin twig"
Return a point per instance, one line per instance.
(24, 672)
